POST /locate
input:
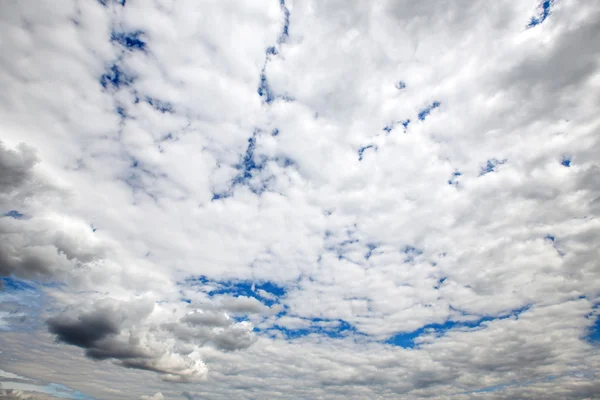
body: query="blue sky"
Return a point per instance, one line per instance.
(299, 199)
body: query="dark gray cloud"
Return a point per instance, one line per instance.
(97, 332)
(123, 332)
(85, 331)
(107, 333)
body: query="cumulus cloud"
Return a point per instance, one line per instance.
(302, 199)
(117, 331)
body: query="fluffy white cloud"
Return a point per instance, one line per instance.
(156, 396)
(303, 199)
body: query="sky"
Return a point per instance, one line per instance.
(285, 199)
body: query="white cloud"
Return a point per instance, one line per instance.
(186, 180)
(155, 396)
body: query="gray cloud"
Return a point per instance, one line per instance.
(84, 332)
(12, 394)
(16, 166)
(236, 337)
(17, 184)
(243, 305)
(207, 318)
(114, 330)
(214, 327)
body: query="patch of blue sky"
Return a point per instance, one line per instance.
(427, 110)
(552, 239)
(545, 9)
(264, 90)
(65, 392)
(129, 40)
(371, 247)
(407, 339)
(121, 112)
(491, 166)
(159, 105)
(334, 245)
(566, 162)
(284, 161)
(593, 333)
(440, 282)
(105, 3)
(400, 85)
(286, 23)
(334, 329)
(267, 292)
(250, 168)
(14, 214)
(20, 304)
(266, 93)
(411, 253)
(362, 150)
(405, 123)
(454, 179)
(115, 78)
(13, 284)
(249, 165)
(220, 196)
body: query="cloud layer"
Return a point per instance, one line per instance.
(301, 199)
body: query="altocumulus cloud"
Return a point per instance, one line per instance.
(300, 199)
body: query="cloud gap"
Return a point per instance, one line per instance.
(490, 166)
(129, 40)
(363, 149)
(545, 10)
(407, 339)
(424, 113)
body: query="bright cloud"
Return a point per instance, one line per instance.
(299, 199)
